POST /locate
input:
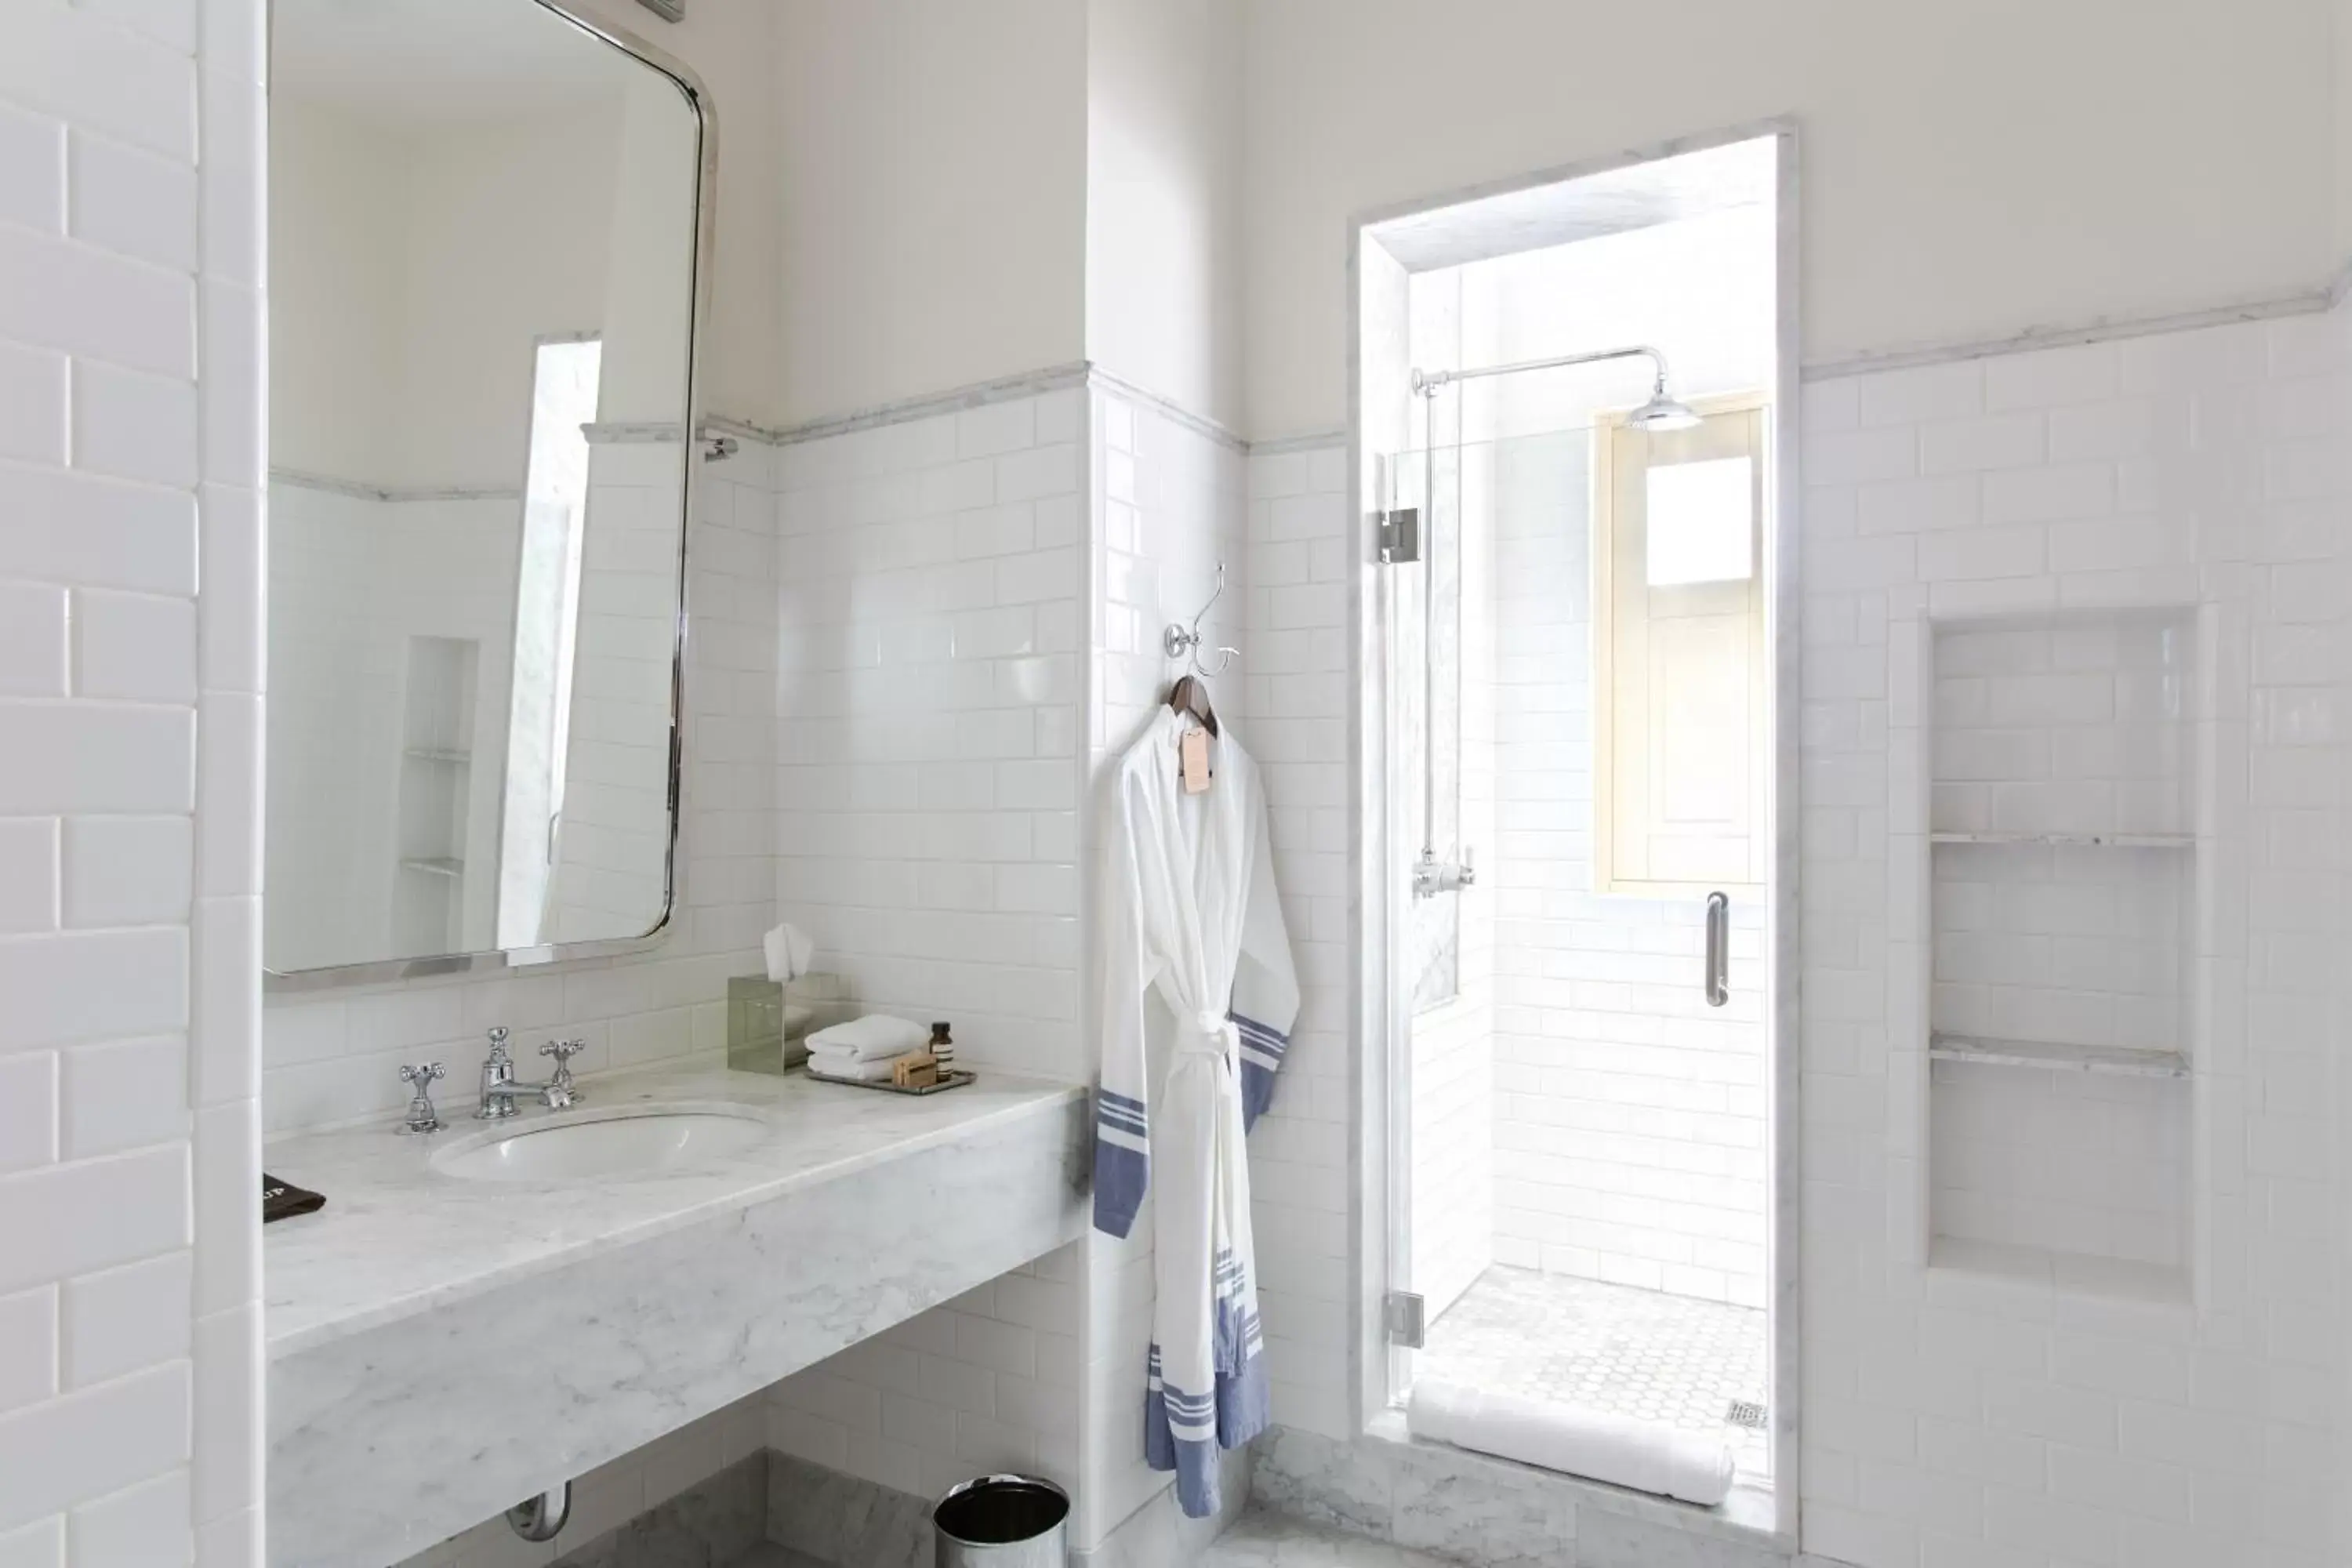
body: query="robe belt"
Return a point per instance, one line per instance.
(1208, 1034)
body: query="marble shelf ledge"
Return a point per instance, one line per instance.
(2072, 840)
(440, 1348)
(2064, 1273)
(2122, 1061)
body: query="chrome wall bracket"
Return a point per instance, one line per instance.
(668, 10)
(1401, 1316)
(1397, 535)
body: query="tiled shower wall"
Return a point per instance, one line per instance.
(1629, 1116)
(333, 1056)
(130, 682)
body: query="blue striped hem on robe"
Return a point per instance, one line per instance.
(1122, 1160)
(1183, 1431)
(1261, 1057)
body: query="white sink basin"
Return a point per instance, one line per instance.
(632, 1142)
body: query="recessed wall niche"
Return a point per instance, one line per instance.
(2061, 774)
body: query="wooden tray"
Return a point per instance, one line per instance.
(956, 1077)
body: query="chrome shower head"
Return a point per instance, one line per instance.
(1662, 412)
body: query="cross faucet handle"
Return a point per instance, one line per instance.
(422, 1117)
(560, 1090)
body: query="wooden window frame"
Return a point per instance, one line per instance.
(1600, 545)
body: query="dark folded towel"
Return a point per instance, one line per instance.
(282, 1200)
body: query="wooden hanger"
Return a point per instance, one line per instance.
(1190, 695)
(1194, 770)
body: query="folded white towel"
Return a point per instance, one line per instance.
(874, 1035)
(827, 1064)
(1647, 1456)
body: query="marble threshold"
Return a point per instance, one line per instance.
(440, 1349)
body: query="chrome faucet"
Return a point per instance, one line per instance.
(560, 1091)
(422, 1118)
(501, 1088)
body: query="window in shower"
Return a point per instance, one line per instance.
(1682, 674)
(564, 380)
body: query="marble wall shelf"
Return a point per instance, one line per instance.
(440, 1349)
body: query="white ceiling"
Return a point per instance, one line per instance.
(1664, 190)
(429, 62)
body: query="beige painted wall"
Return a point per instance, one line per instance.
(1970, 170)
(732, 46)
(413, 269)
(1163, 198)
(932, 158)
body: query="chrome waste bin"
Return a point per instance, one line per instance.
(1002, 1521)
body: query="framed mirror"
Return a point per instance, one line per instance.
(488, 239)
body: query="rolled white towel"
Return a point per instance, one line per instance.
(833, 1064)
(874, 1035)
(1646, 1456)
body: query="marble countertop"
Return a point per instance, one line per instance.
(399, 1237)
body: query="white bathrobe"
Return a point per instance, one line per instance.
(1190, 909)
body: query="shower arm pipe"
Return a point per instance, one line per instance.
(1427, 381)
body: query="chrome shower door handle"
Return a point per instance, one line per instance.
(1719, 949)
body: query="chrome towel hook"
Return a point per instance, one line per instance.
(1179, 641)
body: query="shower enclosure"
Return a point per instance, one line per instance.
(1577, 772)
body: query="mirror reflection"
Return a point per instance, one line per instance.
(483, 244)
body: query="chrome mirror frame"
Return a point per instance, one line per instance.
(706, 189)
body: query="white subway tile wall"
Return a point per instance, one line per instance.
(933, 637)
(1953, 1416)
(616, 808)
(130, 1278)
(1302, 558)
(988, 1382)
(929, 669)
(1169, 506)
(1628, 1121)
(1964, 1416)
(333, 1056)
(2066, 1163)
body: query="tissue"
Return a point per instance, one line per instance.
(789, 951)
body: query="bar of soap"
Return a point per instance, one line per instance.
(920, 1070)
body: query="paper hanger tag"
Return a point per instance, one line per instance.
(1192, 761)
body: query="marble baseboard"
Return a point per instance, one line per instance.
(719, 1523)
(1492, 1513)
(844, 1521)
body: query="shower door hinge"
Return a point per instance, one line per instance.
(1400, 1315)
(1397, 534)
(668, 10)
